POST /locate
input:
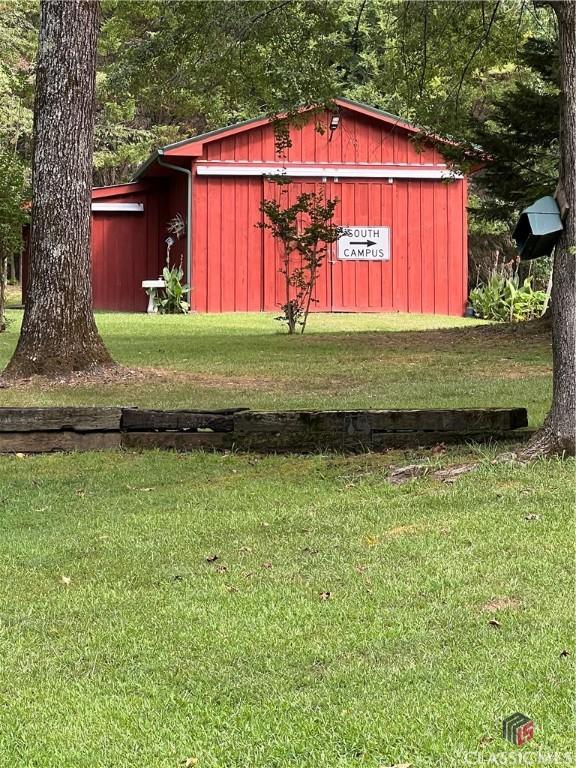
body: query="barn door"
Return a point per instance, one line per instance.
(273, 281)
(362, 262)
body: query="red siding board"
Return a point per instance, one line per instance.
(400, 247)
(427, 245)
(230, 228)
(414, 247)
(441, 249)
(374, 268)
(456, 299)
(387, 267)
(199, 294)
(464, 252)
(241, 246)
(215, 226)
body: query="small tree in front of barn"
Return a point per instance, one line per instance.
(305, 232)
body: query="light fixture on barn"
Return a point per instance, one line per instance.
(334, 123)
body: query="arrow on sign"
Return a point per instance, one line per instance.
(367, 243)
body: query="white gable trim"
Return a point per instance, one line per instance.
(318, 171)
(119, 207)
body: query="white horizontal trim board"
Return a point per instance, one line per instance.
(119, 207)
(317, 171)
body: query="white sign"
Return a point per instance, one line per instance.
(365, 243)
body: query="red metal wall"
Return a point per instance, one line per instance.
(125, 251)
(235, 264)
(172, 200)
(227, 268)
(125, 248)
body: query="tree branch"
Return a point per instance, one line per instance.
(483, 40)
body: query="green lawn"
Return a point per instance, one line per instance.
(346, 622)
(13, 295)
(354, 361)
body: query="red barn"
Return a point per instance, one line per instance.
(406, 211)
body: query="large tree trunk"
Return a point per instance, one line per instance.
(558, 434)
(59, 333)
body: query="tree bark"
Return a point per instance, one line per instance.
(558, 434)
(2, 293)
(59, 333)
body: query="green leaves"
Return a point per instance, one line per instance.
(305, 230)
(171, 299)
(508, 300)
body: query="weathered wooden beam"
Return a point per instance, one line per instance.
(294, 441)
(366, 422)
(177, 441)
(134, 419)
(248, 422)
(46, 442)
(382, 441)
(46, 419)
(36, 430)
(447, 420)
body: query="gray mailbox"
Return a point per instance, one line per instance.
(538, 229)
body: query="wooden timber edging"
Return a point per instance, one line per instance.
(40, 430)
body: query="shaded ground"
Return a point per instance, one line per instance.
(352, 361)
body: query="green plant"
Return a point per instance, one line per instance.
(171, 300)
(506, 299)
(305, 232)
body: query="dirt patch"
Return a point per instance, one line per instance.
(498, 335)
(502, 604)
(119, 376)
(404, 530)
(224, 381)
(515, 371)
(98, 375)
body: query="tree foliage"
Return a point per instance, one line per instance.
(17, 49)
(518, 133)
(171, 70)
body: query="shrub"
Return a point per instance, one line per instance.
(506, 299)
(171, 299)
(305, 232)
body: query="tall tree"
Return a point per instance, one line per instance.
(558, 434)
(59, 333)
(518, 128)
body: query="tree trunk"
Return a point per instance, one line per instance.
(11, 268)
(2, 293)
(59, 333)
(558, 434)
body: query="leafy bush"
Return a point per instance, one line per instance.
(506, 299)
(171, 299)
(305, 232)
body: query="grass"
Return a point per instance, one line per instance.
(346, 622)
(13, 295)
(353, 361)
(151, 654)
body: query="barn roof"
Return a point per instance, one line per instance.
(195, 143)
